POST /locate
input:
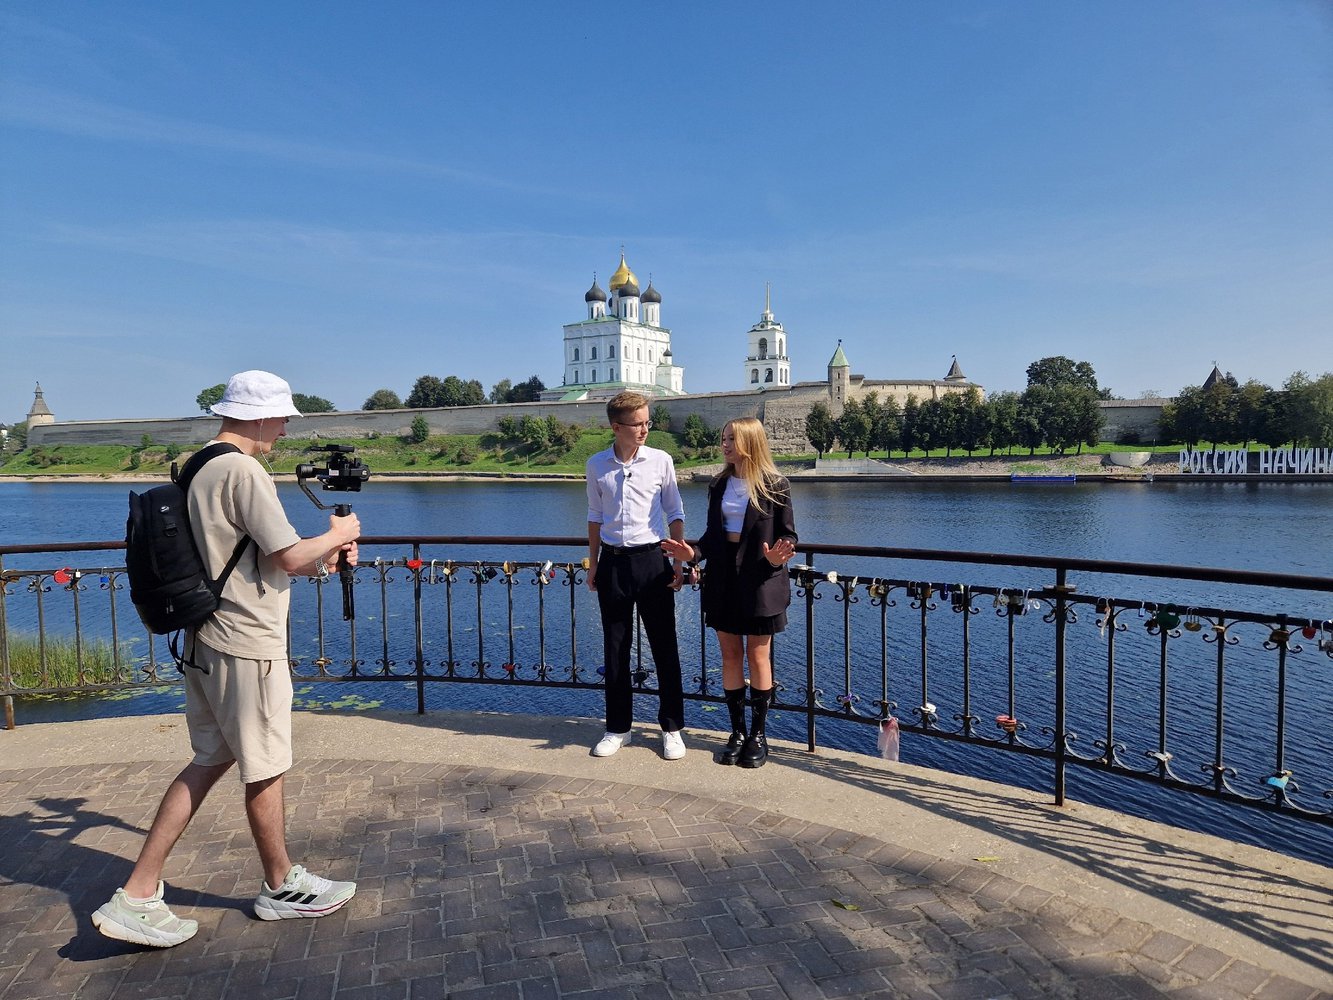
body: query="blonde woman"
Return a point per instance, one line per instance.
(750, 536)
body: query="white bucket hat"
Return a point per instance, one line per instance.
(256, 395)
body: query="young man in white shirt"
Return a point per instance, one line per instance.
(632, 490)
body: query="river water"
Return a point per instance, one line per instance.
(1281, 527)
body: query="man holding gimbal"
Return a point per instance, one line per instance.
(238, 687)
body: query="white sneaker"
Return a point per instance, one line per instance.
(609, 744)
(303, 894)
(673, 745)
(143, 921)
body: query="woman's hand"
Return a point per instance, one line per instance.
(780, 552)
(678, 548)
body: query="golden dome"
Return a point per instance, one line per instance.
(623, 276)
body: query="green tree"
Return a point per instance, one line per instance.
(427, 392)
(929, 425)
(886, 431)
(564, 436)
(1059, 370)
(453, 391)
(311, 404)
(1312, 409)
(1183, 419)
(534, 431)
(529, 391)
(820, 428)
(1003, 408)
(1089, 419)
(697, 433)
(854, 427)
(1252, 400)
(508, 428)
(1221, 405)
(1070, 417)
(661, 417)
(382, 399)
(1275, 422)
(209, 396)
(420, 430)
(1033, 417)
(18, 436)
(870, 406)
(951, 422)
(907, 427)
(504, 391)
(975, 425)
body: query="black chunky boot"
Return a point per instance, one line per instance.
(736, 709)
(755, 749)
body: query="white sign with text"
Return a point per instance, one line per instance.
(1271, 461)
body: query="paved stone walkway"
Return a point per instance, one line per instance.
(491, 883)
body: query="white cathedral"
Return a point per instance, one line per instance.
(621, 344)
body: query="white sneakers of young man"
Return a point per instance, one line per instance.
(143, 921)
(673, 745)
(609, 744)
(302, 895)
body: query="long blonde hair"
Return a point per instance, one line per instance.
(754, 460)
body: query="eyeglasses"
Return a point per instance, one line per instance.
(645, 424)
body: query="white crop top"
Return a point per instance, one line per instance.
(735, 499)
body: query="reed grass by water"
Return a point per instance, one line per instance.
(39, 663)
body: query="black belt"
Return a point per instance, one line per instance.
(629, 550)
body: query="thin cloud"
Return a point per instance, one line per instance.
(50, 111)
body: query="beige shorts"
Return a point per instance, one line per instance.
(241, 710)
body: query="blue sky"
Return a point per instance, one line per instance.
(356, 194)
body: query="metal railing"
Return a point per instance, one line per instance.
(1186, 694)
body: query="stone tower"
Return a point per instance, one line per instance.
(40, 412)
(839, 380)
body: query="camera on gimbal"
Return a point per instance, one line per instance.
(341, 472)
(344, 474)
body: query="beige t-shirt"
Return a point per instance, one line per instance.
(232, 496)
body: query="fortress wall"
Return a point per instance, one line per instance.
(782, 409)
(1132, 416)
(714, 408)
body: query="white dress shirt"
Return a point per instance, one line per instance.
(633, 501)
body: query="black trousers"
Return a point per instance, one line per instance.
(641, 580)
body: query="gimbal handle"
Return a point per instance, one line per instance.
(345, 570)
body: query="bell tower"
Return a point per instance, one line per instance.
(766, 361)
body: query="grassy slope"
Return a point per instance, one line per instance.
(382, 454)
(438, 454)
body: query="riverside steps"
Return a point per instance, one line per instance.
(497, 859)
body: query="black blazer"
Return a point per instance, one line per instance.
(761, 589)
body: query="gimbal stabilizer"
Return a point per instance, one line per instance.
(344, 474)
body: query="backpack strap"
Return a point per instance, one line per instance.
(185, 477)
(197, 461)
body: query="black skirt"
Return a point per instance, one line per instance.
(721, 600)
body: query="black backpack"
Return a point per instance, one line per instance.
(169, 583)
